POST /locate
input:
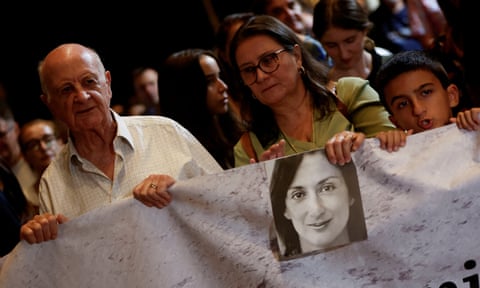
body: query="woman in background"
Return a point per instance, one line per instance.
(342, 26)
(194, 95)
(223, 36)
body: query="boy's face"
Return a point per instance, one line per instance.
(418, 101)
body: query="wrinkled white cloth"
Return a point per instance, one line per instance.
(421, 207)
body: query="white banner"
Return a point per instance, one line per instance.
(421, 206)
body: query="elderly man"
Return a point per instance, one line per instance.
(107, 157)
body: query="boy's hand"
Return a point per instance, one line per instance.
(393, 140)
(468, 119)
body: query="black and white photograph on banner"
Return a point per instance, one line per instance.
(316, 205)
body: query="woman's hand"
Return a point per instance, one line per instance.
(340, 147)
(275, 151)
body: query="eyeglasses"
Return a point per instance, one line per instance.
(267, 64)
(3, 134)
(33, 145)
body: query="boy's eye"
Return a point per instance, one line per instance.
(402, 104)
(426, 92)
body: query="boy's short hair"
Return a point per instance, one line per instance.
(407, 61)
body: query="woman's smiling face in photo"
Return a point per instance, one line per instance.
(317, 203)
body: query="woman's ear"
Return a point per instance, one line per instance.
(297, 52)
(453, 95)
(352, 201)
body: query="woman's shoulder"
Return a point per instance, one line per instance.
(350, 89)
(349, 83)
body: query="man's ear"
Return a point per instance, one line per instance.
(453, 95)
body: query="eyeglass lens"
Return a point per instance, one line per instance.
(34, 144)
(267, 64)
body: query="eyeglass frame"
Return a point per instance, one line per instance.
(34, 144)
(276, 58)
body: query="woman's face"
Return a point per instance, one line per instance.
(344, 46)
(272, 88)
(217, 90)
(317, 203)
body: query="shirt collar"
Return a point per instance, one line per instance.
(122, 133)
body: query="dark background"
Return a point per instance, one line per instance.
(125, 36)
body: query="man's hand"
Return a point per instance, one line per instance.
(42, 228)
(153, 191)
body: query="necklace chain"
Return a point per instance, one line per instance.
(290, 144)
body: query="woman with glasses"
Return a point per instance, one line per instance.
(291, 103)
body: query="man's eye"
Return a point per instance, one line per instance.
(91, 81)
(65, 90)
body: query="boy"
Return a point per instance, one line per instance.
(416, 91)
